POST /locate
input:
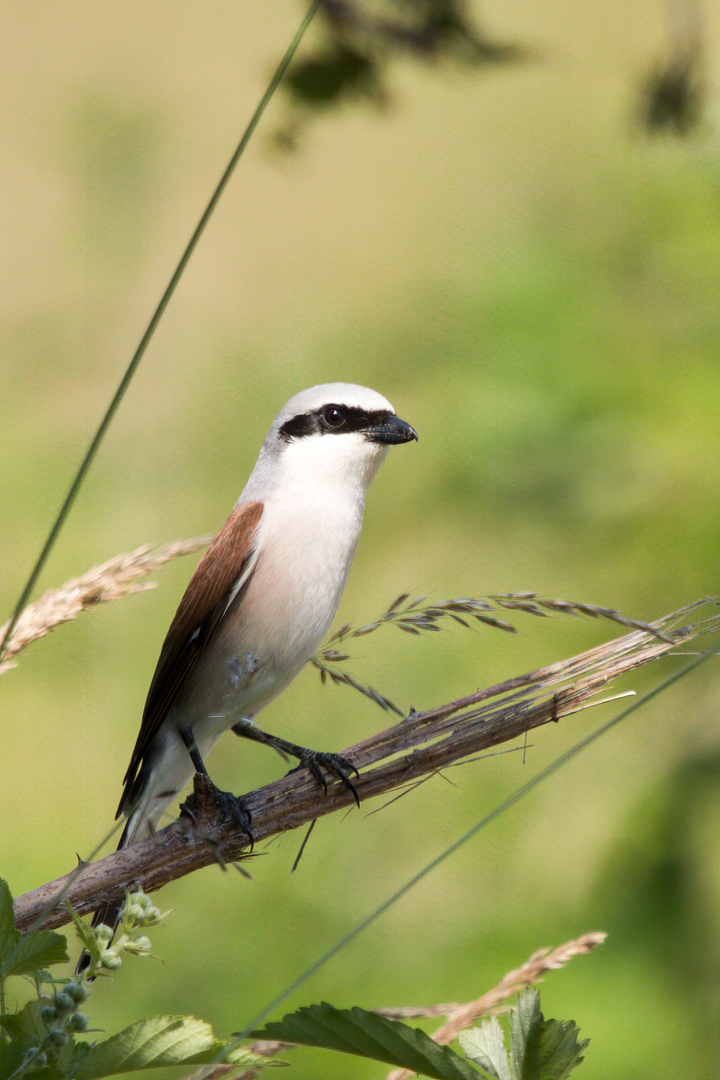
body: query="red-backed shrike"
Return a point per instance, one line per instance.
(263, 595)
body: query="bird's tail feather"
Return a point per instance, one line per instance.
(154, 790)
(109, 914)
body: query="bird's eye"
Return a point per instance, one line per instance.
(333, 416)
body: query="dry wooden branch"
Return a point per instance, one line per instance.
(112, 580)
(420, 744)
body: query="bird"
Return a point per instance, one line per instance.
(259, 604)
(262, 598)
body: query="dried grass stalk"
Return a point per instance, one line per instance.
(112, 580)
(266, 1048)
(460, 1017)
(416, 617)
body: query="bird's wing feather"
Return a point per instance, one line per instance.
(212, 587)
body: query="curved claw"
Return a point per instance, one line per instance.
(235, 809)
(315, 760)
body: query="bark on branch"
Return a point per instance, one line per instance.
(419, 745)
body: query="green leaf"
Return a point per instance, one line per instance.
(33, 951)
(20, 954)
(27, 1025)
(65, 1062)
(84, 932)
(523, 1018)
(235, 1055)
(43, 976)
(148, 1044)
(543, 1049)
(485, 1046)
(553, 1050)
(8, 933)
(356, 1031)
(11, 1058)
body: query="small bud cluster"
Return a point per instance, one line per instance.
(137, 914)
(60, 1016)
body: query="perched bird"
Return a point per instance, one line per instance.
(263, 596)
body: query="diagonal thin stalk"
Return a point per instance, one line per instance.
(152, 326)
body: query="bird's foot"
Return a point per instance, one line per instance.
(335, 764)
(206, 795)
(235, 809)
(314, 760)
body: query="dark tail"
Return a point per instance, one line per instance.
(108, 913)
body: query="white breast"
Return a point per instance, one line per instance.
(313, 502)
(305, 549)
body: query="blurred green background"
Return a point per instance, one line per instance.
(535, 285)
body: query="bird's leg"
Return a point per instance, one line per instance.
(314, 760)
(232, 806)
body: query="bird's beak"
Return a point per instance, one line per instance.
(392, 430)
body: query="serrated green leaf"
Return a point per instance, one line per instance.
(542, 1049)
(48, 1073)
(80, 1051)
(236, 1055)
(26, 1026)
(43, 976)
(8, 933)
(485, 1046)
(552, 1050)
(522, 1018)
(356, 1031)
(34, 951)
(67, 1056)
(9, 1024)
(20, 954)
(84, 932)
(11, 1058)
(148, 1044)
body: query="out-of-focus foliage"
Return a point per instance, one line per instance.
(536, 290)
(360, 37)
(540, 1049)
(673, 92)
(359, 1032)
(47, 1035)
(359, 40)
(672, 96)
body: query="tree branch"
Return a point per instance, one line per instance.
(418, 746)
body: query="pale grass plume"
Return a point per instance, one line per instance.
(111, 580)
(460, 1017)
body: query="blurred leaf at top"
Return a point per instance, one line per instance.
(359, 38)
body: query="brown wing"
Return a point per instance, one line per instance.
(200, 610)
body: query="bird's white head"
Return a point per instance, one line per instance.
(328, 434)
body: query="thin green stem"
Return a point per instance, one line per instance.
(152, 326)
(25, 1065)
